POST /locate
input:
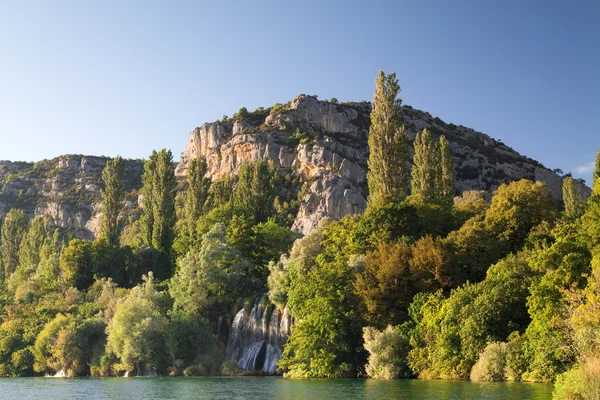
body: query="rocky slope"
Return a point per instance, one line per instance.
(321, 145)
(65, 189)
(324, 144)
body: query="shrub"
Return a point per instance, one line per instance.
(491, 365)
(387, 353)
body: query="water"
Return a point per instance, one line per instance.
(264, 388)
(256, 340)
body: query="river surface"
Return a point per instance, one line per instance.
(264, 388)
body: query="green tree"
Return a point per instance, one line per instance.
(195, 205)
(596, 173)
(136, 332)
(255, 192)
(388, 145)
(76, 264)
(387, 353)
(426, 171)
(517, 207)
(13, 229)
(113, 195)
(446, 184)
(29, 252)
(571, 197)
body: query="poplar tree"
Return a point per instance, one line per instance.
(195, 205)
(388, 173)
(113, 195)
(446, 185)
(571, 197)
(596, 173)
(426, 171)
(13, 229)
(159, 201)
(255, 191)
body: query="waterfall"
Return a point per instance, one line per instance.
(256, 341)
(60, 374)
(141, 371)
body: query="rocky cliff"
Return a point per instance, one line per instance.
(324, 144)
(65, 189)
(321, 145)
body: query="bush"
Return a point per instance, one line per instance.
(195, 370)
(387, 353)
(491, 366)
(581, 382)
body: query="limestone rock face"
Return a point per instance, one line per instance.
(325, 145)
(66, 190)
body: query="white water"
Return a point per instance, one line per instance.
(60, 374)
(140, 372)
(256, 341)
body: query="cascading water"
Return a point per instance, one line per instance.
(60, 374)
(256, 341)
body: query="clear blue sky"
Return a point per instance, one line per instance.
(126, 77)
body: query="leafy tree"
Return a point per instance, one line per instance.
(384, 286)
(159, 201)
(136, 332)
(211, 278)
(195, 206)
(518, 207)
(596, 173)
(113, 195)
(326, 340)
(13, 229)
(76, 264)
(571, 197)
(426, 171)
(29, 252)
(387, 348)
(255, 192)
(388, 145)
(446, 184)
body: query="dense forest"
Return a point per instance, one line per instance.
(424, 284)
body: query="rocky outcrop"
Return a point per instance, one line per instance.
(325, 145)
(66, 190)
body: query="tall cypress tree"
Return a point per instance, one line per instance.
(159, 201)
(446, 183)
(113, 195)
(426, 170)
(596, 173)
(194, 207)
(13, 229)
(388, 145)
(571, 197)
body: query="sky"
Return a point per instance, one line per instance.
(126, 77)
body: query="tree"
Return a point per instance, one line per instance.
(384, 285)
(13, 229)
(195, 205)
(426, 171)
(571, 197)
(29, 252)
(113, 195)
(255, 192)
(159, 185)
(388, 145)
(596, 173)
(517, 207)
(387, 353)
(446, 184)
(76, 264)
(136, 332)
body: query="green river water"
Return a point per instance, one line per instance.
(263, 388)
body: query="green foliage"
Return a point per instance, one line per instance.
(255, 192)
(491, 366)
(386, 223)
(387, 353)
(426, 171)
(388, 145)
(13, 229)
(518, 207)
(213, 277)
(596, 173)
(136, 332)
(446, 181)
(158, 220)
(571, 197)
(113, 195)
